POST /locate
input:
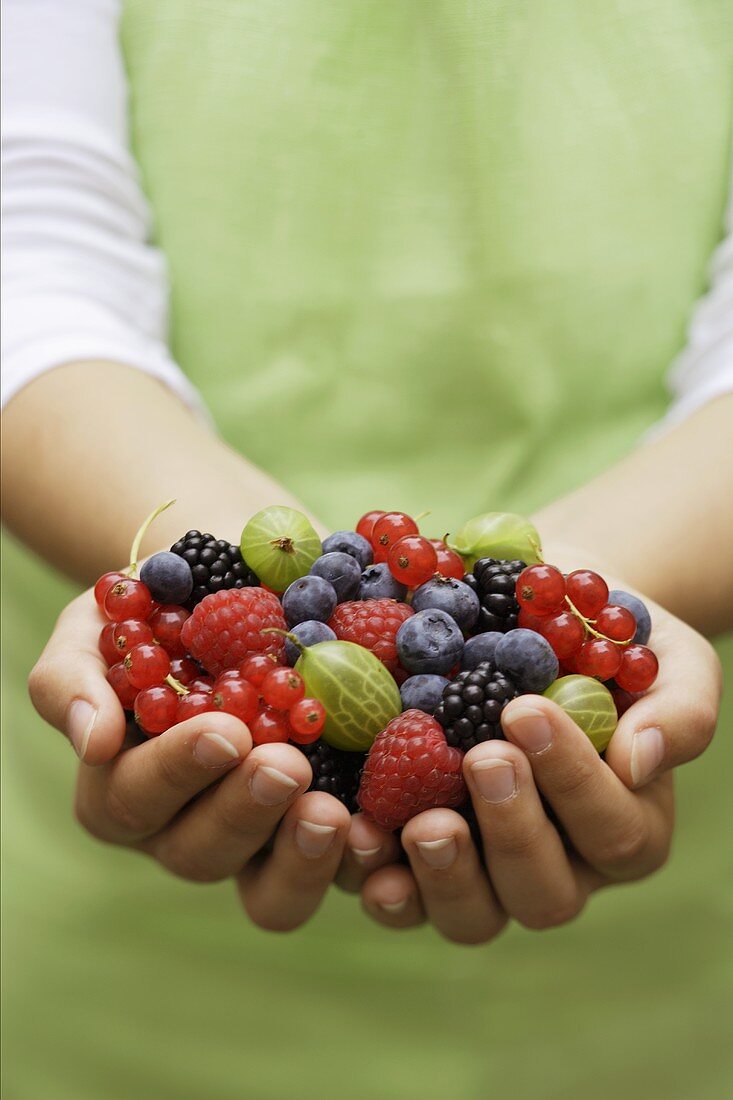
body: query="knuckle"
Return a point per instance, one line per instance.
(84, 817)
(562, 912)
(705, 721)
(518, 842)
(173, 771)
(188, 865)
(38, 682)
(626, 850)
(472, 937)
(121, 814)
(270, 920)
(572, 780)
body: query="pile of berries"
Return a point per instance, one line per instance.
(210, 626)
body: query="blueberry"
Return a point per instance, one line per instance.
(342, 571)
(527, 659)
(638, 609)
(308, 633)
(348, 542)
(309, 598)
(480, 649)
(449, 595)
(168, 577)
(423, 692)
(430, 641)
(377, 583)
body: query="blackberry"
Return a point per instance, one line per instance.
(470, 710)
(494, 582)
(335, 772)
(215, 564)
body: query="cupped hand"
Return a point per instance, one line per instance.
(615, 815)
(199, 798)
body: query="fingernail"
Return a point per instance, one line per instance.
(529, 728)
(393, 906)
(496, 780)
(213, 750)
(361, 855)
(647, 753)
(80, 723)
(314, 840)
(438, 854)
(270, 787)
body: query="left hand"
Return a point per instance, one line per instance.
(617, 812)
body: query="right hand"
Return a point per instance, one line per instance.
(198, 798)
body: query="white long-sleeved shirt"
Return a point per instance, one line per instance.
(81, 281)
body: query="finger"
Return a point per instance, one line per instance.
(527, 863)
(619, 833)
(139, 792)
(367, 848)
(453, 884)
(675, 721)
(68, 685)
(230, 822)
(391, 897)
(283, 890)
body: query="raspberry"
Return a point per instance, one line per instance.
(227, 626)
(410, 768)
(373, 624)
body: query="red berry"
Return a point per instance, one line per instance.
(156, 709)
(147, 665)
(541, 589)
(365, 526)
(196, 702)
(166, 624)
(598, 658)
(107, 644)
(230, 674)
(201, 683)
(389, 529)
(128, 599)
(103, 585)
(257, 667)
(372, 624)
(282, 688)
(412, 560)
(565, 633)
(184, 670)
(616, 623)
(529, 621)
(639, 668)
(410, 768)
(588, 592)
(236, 696)
(307, 719)
(123, 689)
(225, 627)
(268, 726)
(622, 699)
(129, 633)
(450, 564)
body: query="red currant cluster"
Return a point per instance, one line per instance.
(411, 558)
(589, 636)
(152, 674)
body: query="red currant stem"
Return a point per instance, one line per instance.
(423, 515)
(285, 634)
(591, 630)
(135, 548)
(177, 686)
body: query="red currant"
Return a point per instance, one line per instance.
(639, 668)
(103, 585)
(129, 633)
(365, 526)
(268, 726)
(450, 564)
(388, 529)
(616, 623)
(529, 621)
(128, 599)
(282, 688)
(228, 674)
(166, 624)
(307, 719)
(412, 560)
(147, 665)
(123, 689)
(588, 592)
(255, 667)
(598, 658)
(184, 670)
(541, 589)
(622, 699)
(156, 709)
(107, 644)
(196, 702)
(236, 696)
(201, 683)
(565, 633)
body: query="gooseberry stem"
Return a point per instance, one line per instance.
(135, 548)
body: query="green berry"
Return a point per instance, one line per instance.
(589, 704)
(501, 535)
(280, 545)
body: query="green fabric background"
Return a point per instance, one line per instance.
(423, 255)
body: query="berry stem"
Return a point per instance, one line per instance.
(177, 686)
(423, 515)
(285, 634)
(591, 630)
(135, 548)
